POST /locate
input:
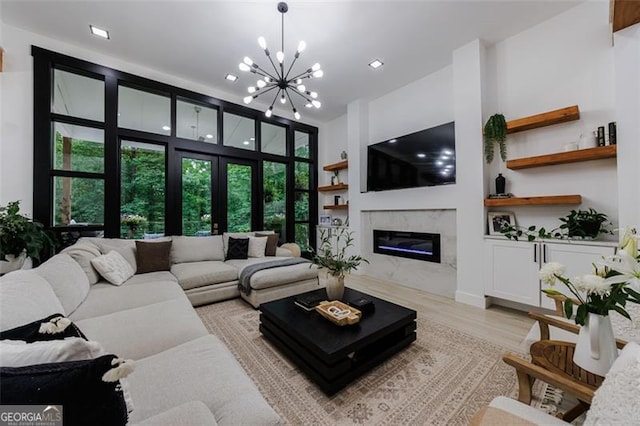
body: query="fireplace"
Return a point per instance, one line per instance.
(414, 245)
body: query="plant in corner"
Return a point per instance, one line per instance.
(495, 132)
(332, 256)
(20, 236)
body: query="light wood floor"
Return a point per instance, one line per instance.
(503, 326)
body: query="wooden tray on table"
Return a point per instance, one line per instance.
(339, 313)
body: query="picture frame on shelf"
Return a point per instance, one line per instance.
(498, 220)
(325, 220)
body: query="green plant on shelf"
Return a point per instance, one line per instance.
(583, 224)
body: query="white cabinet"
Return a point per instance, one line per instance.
(511, 267)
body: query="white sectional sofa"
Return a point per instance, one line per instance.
(183, 374)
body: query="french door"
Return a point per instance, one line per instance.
(217, 194)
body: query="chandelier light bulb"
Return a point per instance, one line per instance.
(262, 42)
(302, 88)
(247, 100)
(316, 104)
(301, 46)
(268, 112)
(309, 105)
(267, 79)
(318, 74)
(251, 89)
(244, 67)
(296, 114)
(261, 84)
(315, 67)
(283, 100)
(299, 81)
(280, 56)
(247, 60)
(313, 94)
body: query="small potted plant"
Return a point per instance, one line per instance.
(584, 223)
(495, 132)
(21, 238)
(133, 222)
(332, 257)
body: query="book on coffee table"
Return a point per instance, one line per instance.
(308, 301)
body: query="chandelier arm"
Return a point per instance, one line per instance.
(275, 68)
(296, 91)
(290, 100)
(266, 73)
(295, 58)
(275, 98)
(265, 91)
(305, 74)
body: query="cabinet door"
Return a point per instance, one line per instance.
(576, 258)
(512, 271)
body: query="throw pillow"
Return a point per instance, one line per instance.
(238, 248)
(53, 327)
(196, 249)
(272, 243)
(69, 282)
(257, 246)
(15, 353)
(79, 386)
(113, 267)
(152, 257)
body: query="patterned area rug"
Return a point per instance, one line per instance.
(444, 377)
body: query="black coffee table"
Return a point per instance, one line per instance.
(330, 355)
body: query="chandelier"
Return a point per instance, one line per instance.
(279, 80)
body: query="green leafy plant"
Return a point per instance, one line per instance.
(133, 220)
(332, 253)
(577, 224)
(20, 234)
(495, 132)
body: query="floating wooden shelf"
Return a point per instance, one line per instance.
(336, 166)
(533, 201)
(544, 119)
(336, 207)
(338, 187)
(624, 13)
(598, 153)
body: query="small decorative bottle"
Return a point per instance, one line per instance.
(500, 184)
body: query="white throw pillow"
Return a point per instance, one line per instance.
(69, 282)
(113, 267)
(16, 353)
(257, 246)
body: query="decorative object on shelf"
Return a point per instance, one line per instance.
(608, 287)
(600, 136)
(333, 258)
(612, 133)
(501, 183)
(333, 180)
(343, 155)
(499, 221)
(583, 224)
(495, 131)
(336, 200)
(281, 79)
(21, 238)
(336, 174)
(336, 222)
(325, 220)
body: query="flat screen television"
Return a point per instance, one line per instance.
(424, 158)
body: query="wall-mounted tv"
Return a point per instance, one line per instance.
(424, 158)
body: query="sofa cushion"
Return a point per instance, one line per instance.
(193, 413)
(53, 327)
(147, 330)
(196, 249)
(25, 297)
(68, 280)
(275, 276)
(16, 353)
(153, 256)
(151, 277)
(113, 267)
(77, 385)
(257, 246)
(238, 248)
(272, 243)
(83, 253)
(104, 298)
(202, 369)
(198, 274)
(127, 248)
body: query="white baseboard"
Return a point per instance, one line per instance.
(472, 299)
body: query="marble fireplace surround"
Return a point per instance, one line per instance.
(438, 278)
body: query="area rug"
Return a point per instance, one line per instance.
(444, 377)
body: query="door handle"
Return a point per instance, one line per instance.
(535, 253)
(544, 253)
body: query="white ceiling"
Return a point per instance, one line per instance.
(203, 40)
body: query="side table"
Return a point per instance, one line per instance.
(552, 362)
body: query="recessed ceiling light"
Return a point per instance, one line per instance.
(421, 155)
(231, 77)
(252, 139)
(166, 128)
(376, 63)
(209, 136)
(393, 141)
(99, 32)
(245, 143)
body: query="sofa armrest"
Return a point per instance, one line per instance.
(289, 250)
(506, 411)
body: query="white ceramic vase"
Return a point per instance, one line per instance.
(596, 346)
(334, 286)
(14, 263)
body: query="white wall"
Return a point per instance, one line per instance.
(564, 61)
(16, 125)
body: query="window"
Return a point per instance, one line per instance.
(239, 132)
(77, 96)
(196, 122)
(239, 206)
(78, 201)
(274, 177)
(301, 143)
(145, 111)
(273, 139)
(196, 197)
(78, 148)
